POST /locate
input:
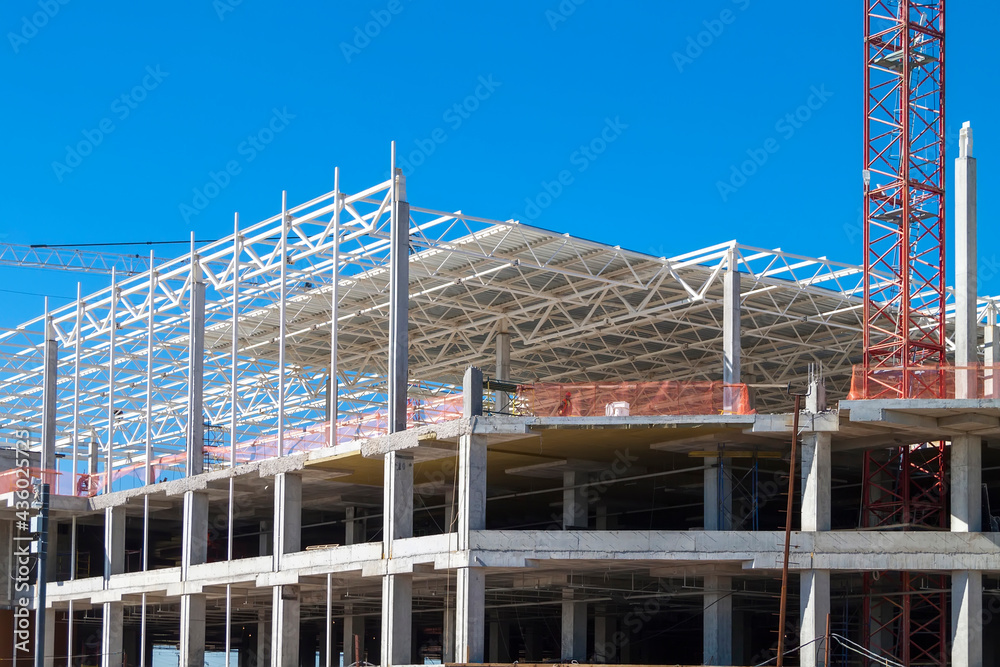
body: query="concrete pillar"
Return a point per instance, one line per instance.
(966, 619)
(966, 483)
(574, 628)
(353, 625)
(718, 494)
(965, 266)
(114, 541)
(397, 589)
(448, 628)
(470, 614)
(502, 401)
(285, 626)
(603, 652)
(731, 349)
(353, 526)
(112, 620)
(49, 650)
(575, 508)
(816, 482)
(192, 644)
(195, 461)
(399, 298)
(814, 607)
(991, 354)
(717, 622)
(287, 516)
(264, 623)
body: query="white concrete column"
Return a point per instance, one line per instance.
(353, 526)
(991, 354)
(285, 626)
(50, 638)
(718, 494)
(574, 628)
(195, 462)
(112, 620)
(966, 483)
(399, 300)
(966, 353)
(49, 369)
(816, 482)
(470, 614)
(353, 625)
(192, 644)
(575, 508)
(263, 640)
(966, 619)
(501, 400)
(717, 622)
(287, 516)
(114, 541)
(397, 589)
(448, 628)
(814, 606)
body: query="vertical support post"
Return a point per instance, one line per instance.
(77, 342)
(282, 324)
(112, 621)
(397, 510)
(814, 607)
(353, 625)
(966, 354)
(43, 617)
(576, 509)
(718, 493)
(470, 588)
(192, 640)
(50, 369)
(194, 551)
(717, 606)
(501, 402)
(287, 539)
(142, 635)
(333, 395)
(991, 353)
(966, 618)
(731, 350)
(966, 483)
(574, 628)
(195, 464)
(112, 331)
(816, 482)
(69, 635)
(114, 542)
(328, 634)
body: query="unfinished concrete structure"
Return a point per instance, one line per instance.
(281, 447)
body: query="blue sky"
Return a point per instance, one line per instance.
(606, 104)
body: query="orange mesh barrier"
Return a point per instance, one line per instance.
(635, 398)
(19, 479)
(974, 381)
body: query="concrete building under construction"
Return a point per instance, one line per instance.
(361, 431)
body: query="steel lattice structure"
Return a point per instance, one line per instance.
(904, 231)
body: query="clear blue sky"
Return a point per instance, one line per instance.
(199, 78)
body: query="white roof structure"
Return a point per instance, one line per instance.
(576, 310)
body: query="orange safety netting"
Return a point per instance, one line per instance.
(975, 381)
(635, 398)
(419, 411)
(19, 479)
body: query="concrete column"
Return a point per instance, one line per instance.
(966, 619)
(49, 651)
(816, 482)
(501, 401)
(814, 606)
(195, 462)
(470, 614)
(114, 541)
(966, 483)
(112, 620)
(718, 494)
(399, 299)
(192, 645)
(602, 631)
(575, 508)
(448, 629)
(353, 525)
(263, 640)
(991, 354)
(731, 350)
(287, 516)
(717, 622)
(397, 589)
(353, 625)
(49, 369)
(471, 464)
(965, 266)
(574, 628)
(285, 626)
